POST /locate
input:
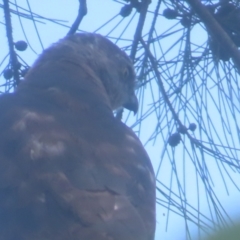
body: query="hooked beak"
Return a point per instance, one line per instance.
(132, 104)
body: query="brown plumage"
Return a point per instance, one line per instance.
(68, 168)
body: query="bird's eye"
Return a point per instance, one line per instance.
(127, 72)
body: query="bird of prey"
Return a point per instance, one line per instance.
(69, 169)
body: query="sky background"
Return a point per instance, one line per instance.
(169, 224)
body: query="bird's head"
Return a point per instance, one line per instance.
(111, 65)
(108, 70)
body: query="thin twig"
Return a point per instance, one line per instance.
(13, 56)
(138, 32)
(150, 36)
(160, 83)
(82, 11)
(216, 31)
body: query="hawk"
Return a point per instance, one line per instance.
(70, 170)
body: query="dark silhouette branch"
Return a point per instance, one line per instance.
(216, 31)
(138, 32)
(160, 83)
(150, 36)
(82, 11)
(14, 64)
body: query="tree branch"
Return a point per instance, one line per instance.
(82, 11)
(138, 32)
(216, 31)
(13, 56)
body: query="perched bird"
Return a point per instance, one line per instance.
(70, 170)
